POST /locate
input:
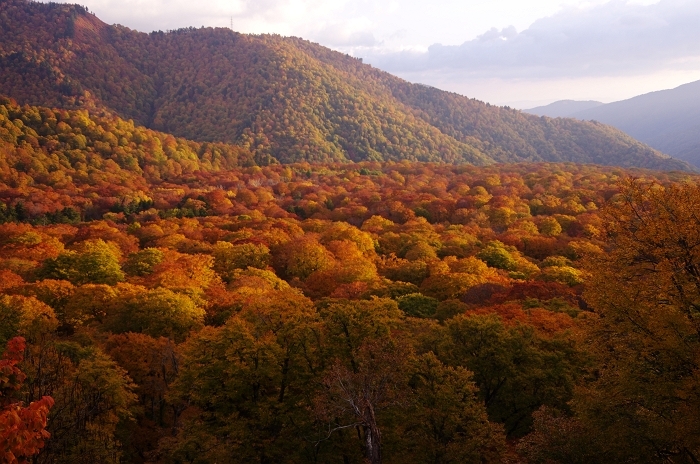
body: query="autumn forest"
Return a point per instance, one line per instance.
(393, 274)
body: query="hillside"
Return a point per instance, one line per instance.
(668, 120)
(165, 312)
(63, 161)
(281, 98)
(563, 108)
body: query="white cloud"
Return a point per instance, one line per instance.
(612, 39)
(287, 17)
(529, 92)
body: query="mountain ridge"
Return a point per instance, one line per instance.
(285, 99)
(668, 120)
(563, 108)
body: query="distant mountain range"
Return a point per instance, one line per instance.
(283, 99)
(564, 108)
(668, 120)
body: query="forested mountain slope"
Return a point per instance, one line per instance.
(51, 154)
(283, 98)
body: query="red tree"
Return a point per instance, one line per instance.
(22, 429)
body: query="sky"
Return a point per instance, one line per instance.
(520, 53)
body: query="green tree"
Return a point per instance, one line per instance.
(356, 394)
(497, 255)
(447, 422)
(142, 262)
(417, 305)
(93, 396)
(365, 369)
(157, 312)
(564, 274)
(516, 370)
(249, 381)
(92, 261)
(550, 227)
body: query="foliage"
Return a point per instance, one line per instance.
(276, 99)
(449, 425)
(157, 312)
(195, 301)
(417, 305)
(28, 317)
(516, 369)
(22, 429)
(93, 261)
(249, 380)
(93, 397)
(495, 254)
(143, 262)
(229, 257)
(244, 332)
(645, 292)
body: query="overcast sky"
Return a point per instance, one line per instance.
(520, 53)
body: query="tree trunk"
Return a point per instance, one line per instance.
(373, 452)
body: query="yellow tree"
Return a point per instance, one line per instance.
(229, 257)
(92, 261)
(158, 312)
(28, 317)
(645, 291)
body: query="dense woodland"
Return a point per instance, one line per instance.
(172, 292)
(169, 301)
(283, 99)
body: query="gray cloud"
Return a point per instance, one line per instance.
(616, 38)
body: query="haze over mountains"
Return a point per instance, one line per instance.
(668, 120)
(284, 99)
(564, 108)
